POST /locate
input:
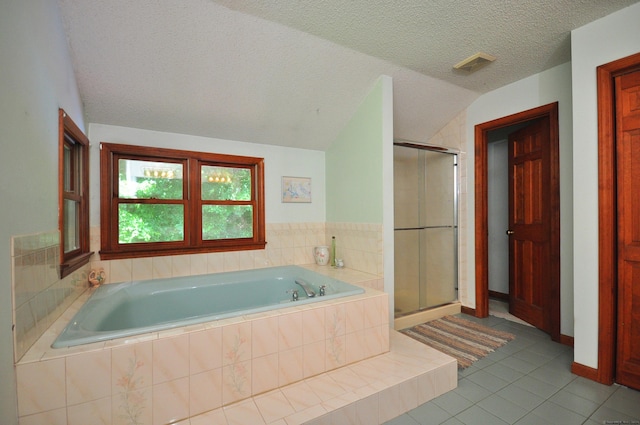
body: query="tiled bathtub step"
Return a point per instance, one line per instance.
(371, 391)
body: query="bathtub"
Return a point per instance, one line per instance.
(133, 308)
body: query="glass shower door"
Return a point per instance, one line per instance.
(426, 232)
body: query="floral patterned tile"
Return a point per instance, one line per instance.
(236, 379)
(131, 375)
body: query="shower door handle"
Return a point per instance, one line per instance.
(509, 232)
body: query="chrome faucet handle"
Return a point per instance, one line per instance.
(294, 294)
(322, 290)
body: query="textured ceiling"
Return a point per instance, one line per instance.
(430, 36)
(292, 72)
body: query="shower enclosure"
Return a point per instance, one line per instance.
(426, 227)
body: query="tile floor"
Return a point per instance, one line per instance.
(526, 382)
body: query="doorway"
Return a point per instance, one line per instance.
(498, 220)
(547, 315)
(613, 299)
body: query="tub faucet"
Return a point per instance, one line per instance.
(306, 287)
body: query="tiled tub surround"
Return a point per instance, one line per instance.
(358, 244)
(171, 375)
(39, 295)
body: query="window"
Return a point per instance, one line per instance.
(157, 201)
(73, 195)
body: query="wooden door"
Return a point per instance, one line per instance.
(627, 89)
(530, 224)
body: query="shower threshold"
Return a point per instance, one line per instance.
(415, 318)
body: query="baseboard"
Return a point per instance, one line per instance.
(584, 371)
(498, 295)
(566, 340)
(468, 310)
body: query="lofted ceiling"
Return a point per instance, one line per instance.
(293, 72)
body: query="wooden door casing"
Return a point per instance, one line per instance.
(481, 137)
(627, 89)
(605, 372)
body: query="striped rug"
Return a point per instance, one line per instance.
(463, 339)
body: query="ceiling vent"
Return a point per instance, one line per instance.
(475, 62)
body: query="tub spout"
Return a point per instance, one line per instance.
(306, 287)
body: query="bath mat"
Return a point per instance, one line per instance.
(463, 339)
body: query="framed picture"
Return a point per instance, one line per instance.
(296, 189)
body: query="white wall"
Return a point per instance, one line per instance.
(37, 79)
(553, 85)
(279, 161)
(600, 42)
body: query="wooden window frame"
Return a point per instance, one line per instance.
(70, 135)
(193, 242)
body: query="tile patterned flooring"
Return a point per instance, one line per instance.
(526, 382)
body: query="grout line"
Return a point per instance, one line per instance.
(550, 359)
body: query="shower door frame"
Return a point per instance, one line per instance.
(456, 225)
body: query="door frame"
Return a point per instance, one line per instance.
(550, 112)
(607, 222)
